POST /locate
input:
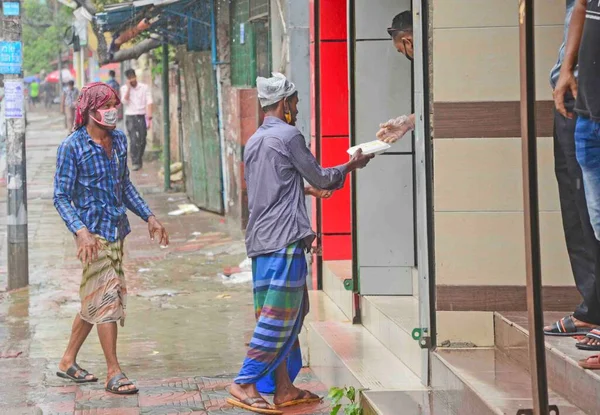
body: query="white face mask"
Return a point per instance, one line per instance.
(108, 117)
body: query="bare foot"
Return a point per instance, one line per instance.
(591, 341)
(65, 365)
(292, 394)
(112, 374)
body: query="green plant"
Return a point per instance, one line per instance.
(338, 394)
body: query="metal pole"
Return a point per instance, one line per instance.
(18, 260)
(537, 351)
(166, 114)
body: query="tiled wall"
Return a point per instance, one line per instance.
(479, 227)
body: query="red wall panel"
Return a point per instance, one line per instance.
(334, 89)
(333, 19)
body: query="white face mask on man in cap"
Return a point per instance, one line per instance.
(278, 97)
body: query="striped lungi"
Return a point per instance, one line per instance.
(281, 303)
(103, 291)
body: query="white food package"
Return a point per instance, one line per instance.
(372, 147)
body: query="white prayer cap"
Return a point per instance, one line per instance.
(272, 90)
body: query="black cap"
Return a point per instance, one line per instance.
(401, 23)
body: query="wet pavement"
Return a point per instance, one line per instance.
(185, 332)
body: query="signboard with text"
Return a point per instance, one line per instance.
(14, 97)
(11, 8)
(11, 58)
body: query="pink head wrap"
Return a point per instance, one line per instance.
(92, 97)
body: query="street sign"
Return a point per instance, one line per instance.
(11, 8)
(11, 58)
(14, 94)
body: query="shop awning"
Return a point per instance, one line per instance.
(183, 22)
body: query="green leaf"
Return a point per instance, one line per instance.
(336, 394)
(351, 394)
(353, 409)
(335, 410)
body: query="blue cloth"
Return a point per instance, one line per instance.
(587, 147)
(114, 85)
(555, 72)
(93, 190)
(281, 303)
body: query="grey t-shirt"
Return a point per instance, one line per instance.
(276, 161)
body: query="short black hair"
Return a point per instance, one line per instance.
(71, 83)
(401, 23)
(112, 73)
(272, 107)
(130, 73)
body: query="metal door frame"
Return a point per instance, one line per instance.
(423, 147)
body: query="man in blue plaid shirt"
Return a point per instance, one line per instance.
(92, 192)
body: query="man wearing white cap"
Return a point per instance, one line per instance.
(277, 161)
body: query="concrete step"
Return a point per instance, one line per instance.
(336, 277)
(391, 319)
(343, 354)
(487, 381)
(564, 374)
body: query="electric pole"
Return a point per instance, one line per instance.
(11, 68)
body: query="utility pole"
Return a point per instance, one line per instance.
(166, 114)
(11, 67)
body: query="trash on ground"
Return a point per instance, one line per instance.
(223, 296)
(144, 270)
(237, 278)
(10, 355)
(184, 209)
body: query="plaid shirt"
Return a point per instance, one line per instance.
(94, 191)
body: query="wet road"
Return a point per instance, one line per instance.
(185, 331)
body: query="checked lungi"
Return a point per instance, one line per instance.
(281, 303)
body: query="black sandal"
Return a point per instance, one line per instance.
(72, 375)
(116, 382)
(566, 327)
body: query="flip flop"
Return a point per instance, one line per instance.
(117, 381)
(248, 403)
(586, 364)
(71, 374)
(594, 335)
(305, 398)
(566, 327)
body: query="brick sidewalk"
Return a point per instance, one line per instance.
(186, 330)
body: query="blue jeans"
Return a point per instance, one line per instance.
(587, 146)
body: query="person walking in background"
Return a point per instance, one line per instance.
(69, 103)
(582, 54)
(582, 246)
(92, 192)
(34, 92)
(137, 99)
(277, 161)
(112, 82)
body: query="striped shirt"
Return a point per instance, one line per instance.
(93, 190)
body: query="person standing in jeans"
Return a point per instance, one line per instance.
(137, 100)
(583, 52)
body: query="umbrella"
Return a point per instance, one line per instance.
(30, 79)
(67, 75)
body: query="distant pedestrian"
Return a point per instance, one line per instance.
(277, 161)
(137, 99)
(69, 103)
(92, 192)
(34, 92)
(112, 82)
